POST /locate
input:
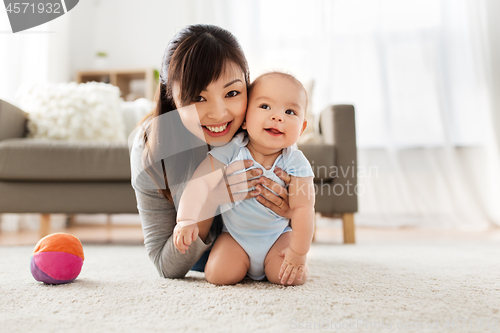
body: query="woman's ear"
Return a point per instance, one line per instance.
(304, 125)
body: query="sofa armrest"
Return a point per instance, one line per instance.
(12, 121)
(337, 126)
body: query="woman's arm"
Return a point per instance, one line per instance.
(158, 216)
(158, 219)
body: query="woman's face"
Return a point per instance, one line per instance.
(217, 113)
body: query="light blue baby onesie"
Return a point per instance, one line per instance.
(254, 226)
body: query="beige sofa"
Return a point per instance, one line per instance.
(50, 176)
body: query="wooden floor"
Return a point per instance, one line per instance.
(328, 231)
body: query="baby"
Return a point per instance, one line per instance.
(274, 121)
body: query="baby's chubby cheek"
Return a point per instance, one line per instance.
(251, 120)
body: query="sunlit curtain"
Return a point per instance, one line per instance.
(415, 71)
(39, 54)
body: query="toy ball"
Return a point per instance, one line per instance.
(57, 259)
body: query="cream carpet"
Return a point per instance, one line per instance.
(417, 286)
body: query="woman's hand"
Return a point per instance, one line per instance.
(277, 203)
(226, 189)
(293, 266)
(184, 236)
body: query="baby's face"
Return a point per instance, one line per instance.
(275, 116)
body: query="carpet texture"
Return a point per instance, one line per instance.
(416, 286)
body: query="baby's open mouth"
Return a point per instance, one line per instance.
(273, 131)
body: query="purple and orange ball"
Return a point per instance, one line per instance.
(57, 259)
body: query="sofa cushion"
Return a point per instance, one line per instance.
(53, 160)
(322, 159)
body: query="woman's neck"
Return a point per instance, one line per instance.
(263, 156)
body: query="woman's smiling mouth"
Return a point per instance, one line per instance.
(219, 130)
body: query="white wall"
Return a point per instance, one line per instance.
(133, 33)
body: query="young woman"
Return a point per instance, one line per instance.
(204, 66)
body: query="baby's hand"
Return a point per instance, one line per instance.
(185, 235)
(293, 266)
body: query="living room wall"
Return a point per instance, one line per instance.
(133, 33)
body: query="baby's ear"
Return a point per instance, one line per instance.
(304, 125)
(244, 125)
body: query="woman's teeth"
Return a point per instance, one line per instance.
(217, 129)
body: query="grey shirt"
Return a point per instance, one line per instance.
(158, 216)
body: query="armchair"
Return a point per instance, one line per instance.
(334, 163)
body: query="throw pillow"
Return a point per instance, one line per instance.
(70, 111)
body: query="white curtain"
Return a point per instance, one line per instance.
(416, 71)
(39, 54)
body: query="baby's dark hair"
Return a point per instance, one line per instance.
(284, 74)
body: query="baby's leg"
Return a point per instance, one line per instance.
(228, 263)
(272, 263)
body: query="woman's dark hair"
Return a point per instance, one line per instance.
(195, 57)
